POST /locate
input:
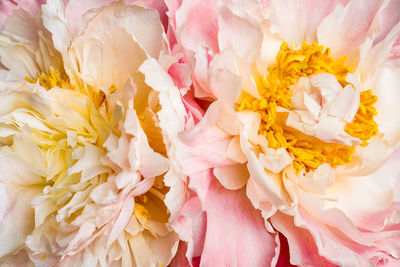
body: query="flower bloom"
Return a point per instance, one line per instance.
(303, 116)
(91, 108)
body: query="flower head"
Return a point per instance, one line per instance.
(298, 114)
(88, 136)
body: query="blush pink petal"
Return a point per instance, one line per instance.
(334, 31)
(298, 20)
(75, 10)
(204, 146)
(388, 18)
(235, 234)
(239, 31)
(7, 7)
(302, 248)
(196, 22)
(191, 227)
(6, 10)
(371, 199)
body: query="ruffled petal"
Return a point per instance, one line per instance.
(119, 37)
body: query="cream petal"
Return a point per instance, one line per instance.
(55, 22)
(376, 54)
(234, 151)
(177, 195)
(251, 121)
(151, 163)
(275, 160)
(270, 184)
(345, 105)
(19, 220)
(150, 252)
(386, 89)
(112, 39)
(25, 46)
(172, 114)
(232, 177)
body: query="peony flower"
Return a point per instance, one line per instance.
(301, 115)
(91, 111)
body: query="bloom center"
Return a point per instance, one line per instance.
(321, 103)
(57, 78)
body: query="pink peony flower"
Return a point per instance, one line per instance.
(301, 117)
(93, 101)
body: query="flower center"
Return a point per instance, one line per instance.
(56, 78)
(150, 205)
(307, 151)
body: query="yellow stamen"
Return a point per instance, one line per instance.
(274, 89)
(55, 78)
(363, 126)
(52, 79)
(142, 213)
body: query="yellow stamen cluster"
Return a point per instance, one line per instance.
(292, 64)
(55, 78)
(363, 125)
(52, 79)
(143, 205)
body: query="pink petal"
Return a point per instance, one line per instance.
(196, 22)
(240, 33)
(235, 235)
(204, 146)
(388, 18)
(334, 31)
(297, 21)
(160, 6)
(77, 8)
(302, 247)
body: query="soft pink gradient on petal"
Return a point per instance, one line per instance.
(6, 10)
(205, 145)
(8, 6)
(298, 20)
(302, 247)
(235, 235)
(196, 22)
(334, 31)
(191, 226)
(77, 8)
(388, 18)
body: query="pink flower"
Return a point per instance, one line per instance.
(302, 115)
